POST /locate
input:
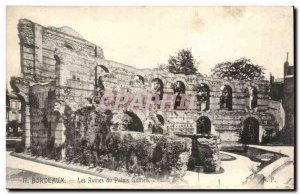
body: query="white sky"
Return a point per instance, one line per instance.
(145, 36)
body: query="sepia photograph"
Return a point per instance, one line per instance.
(150, 98)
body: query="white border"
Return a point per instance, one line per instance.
(4, 3)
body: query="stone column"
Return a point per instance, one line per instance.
(60, 135)
(60, 132)
(261, 133)
(26, 123)
(195, 127)
(59, 126)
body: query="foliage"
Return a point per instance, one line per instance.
(202, 155)
(241, 69)
(90, 142)
(46, 149)
(134, 152)
(182, 63)
(20, 147)
(282, 137)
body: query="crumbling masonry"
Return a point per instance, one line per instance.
(62, 73)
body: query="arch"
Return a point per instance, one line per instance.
(126, 121)
(157, 86)
(69, 46)
(103, 68)
(203, 125)
(157, 155)
(250, 131)
(251, 115)
(158, 124)
(179, 90)
(179, 87)
(57, 60)
(226, 97)
(160, 119)
(250, 97)
(57, 67)
(203, 94)
(98, 79)
(136, 124)
(139, 79)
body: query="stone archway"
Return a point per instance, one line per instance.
(250, 131)
(126, 121)
(21, 88)
(139, 79)
(203, 125)
(100, 70)
(157, 88)
(226, 97)
(203, 96)
(179, 92)
(251, 97)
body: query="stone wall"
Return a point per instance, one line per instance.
(276, 109)
(38, 45)
(63, 56)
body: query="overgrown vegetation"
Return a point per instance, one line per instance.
(202, 155)
(90, 142)
(47, 149)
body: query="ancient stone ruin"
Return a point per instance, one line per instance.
(65, 77)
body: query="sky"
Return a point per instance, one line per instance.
(144, 37)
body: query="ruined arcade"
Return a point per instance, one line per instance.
(64, 75)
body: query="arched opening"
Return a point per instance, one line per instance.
(203, 96)
(67, 45)
(226, 98)
(157, 87)
(139, 79)
(136, 124)
(251, 97)
(250, 132)
(57, 60)
(154, 124)
(203, 125)
(100, 70)
(179, 91)
(160, 119)
(157, 154)
(57, 67)
(126, 121)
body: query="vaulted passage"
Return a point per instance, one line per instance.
(203, 125)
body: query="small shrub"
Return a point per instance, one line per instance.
(20, 147)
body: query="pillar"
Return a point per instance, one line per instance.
(26, 123)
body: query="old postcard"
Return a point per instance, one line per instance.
(150, 98)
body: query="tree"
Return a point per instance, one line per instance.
(182, 63)
(241, 69)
